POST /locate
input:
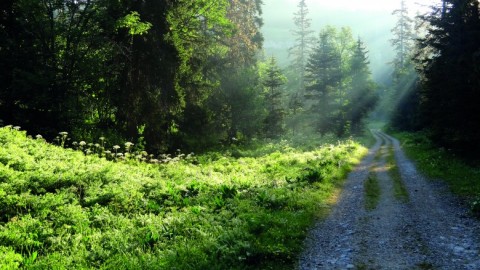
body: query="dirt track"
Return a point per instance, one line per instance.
(426, 229)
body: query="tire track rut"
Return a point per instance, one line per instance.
(429, 230)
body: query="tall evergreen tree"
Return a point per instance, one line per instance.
(402, 100)
(323, 76)
(274, 79)
(299, 53)
(449, 65)
(362, 97)
(402, 37)
(303, 44)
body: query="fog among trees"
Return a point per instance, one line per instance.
(196, 76)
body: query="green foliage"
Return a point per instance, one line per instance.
(238, 105)
(372, 192)
(106, 68)
(448, 60)
(401, 101)
(361, 98)
(132, 22)
(273, 81)
(9, 258)
(399, 190)
(403, 39)
(339, 86)
(324, 74)
(61, 209)
(301, 49)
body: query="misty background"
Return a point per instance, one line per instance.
(371, 20)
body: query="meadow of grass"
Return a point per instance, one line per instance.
(62, 209)
(462, 176)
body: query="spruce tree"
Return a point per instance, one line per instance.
(323, 76)
(274, 79)
(361, 96)
(403, 97)
(299, 53)
(403, 37)
(303, 43)
(449, 65)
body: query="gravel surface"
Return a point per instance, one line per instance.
(429, 230)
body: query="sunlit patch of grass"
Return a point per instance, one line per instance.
(62, 209)
(439, 163)
(399, 190)
(372, 192)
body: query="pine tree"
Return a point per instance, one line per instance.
(449, 65)
(362, 97)
(403, 97)
(274, 79)
(303, 42)
(299, 52)
(403, 38)
(323, 76)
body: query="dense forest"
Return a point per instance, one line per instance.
(177, 74)
(174, 74)
(436, 76)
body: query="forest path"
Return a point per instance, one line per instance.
(413, 224)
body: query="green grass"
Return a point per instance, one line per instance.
(372, 192)
(399, 190)
(439, 163)
(61, 209)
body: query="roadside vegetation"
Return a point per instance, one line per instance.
(399, 190)
(372, 192)
(241, 209)
(462, 176)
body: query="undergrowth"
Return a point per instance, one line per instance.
(62, 209)
(399, 190)
(440, 163)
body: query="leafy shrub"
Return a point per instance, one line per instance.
(310, 175)
(9, 259)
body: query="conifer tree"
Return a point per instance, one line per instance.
(299, 53)
(274, 79)
(303, 43)
(403, 99)
(403, 38)
(449, 65)
(362, 96)
(323, 76)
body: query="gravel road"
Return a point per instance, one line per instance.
(427, 229)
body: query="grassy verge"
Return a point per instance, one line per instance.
(399, 190)
(372, 192)
(60, 209)
(439, 163)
